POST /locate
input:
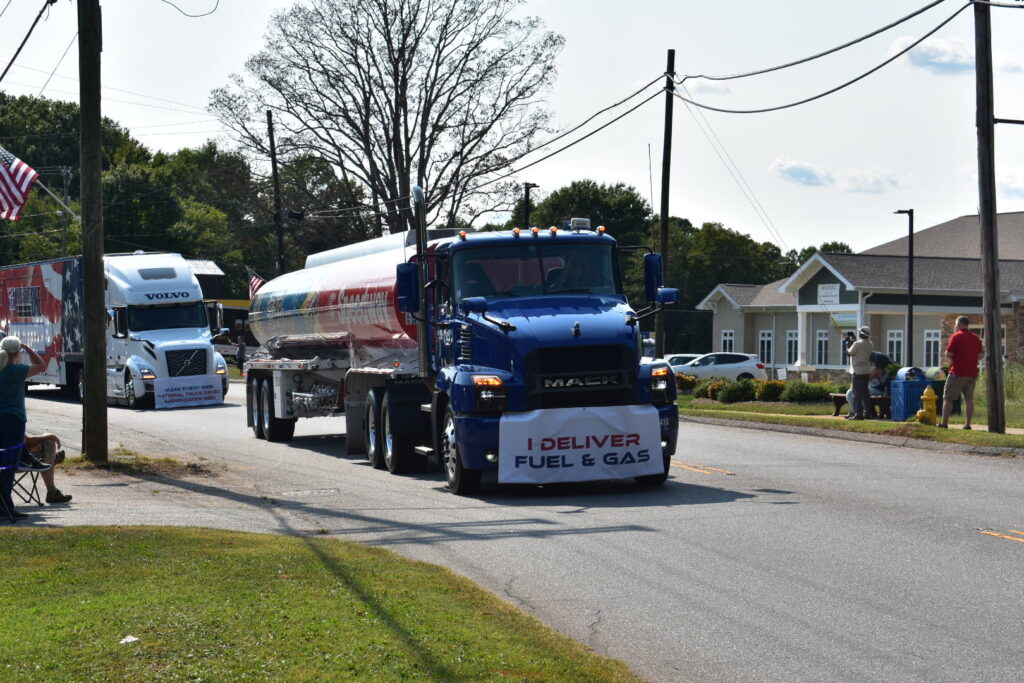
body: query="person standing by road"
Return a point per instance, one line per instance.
(12, 404)
(239, 351)
(963, 351)
(859, 352)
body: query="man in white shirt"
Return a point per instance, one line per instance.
(859, 353)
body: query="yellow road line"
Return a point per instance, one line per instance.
(709, 467)
(1012, 538)
(692, 469)
(1014, 531)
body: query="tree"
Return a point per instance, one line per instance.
(619, 208)
(400, 92)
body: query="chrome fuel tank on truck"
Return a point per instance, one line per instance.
(343, 298)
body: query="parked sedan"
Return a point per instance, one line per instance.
(730, 366)
(678, 360)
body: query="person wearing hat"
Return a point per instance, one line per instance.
(12, 406)
(859, 353)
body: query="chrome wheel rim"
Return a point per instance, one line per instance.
(448, 448)
(129, 391)
(371, 434)
(265, 403)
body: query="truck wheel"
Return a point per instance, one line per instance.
(133, 401)
(254, 399)
(461, 481)
(655, 479)
(371, 430)
(399, 453)
(274, 428)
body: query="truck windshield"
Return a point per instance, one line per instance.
(526, 269)
(167, 316)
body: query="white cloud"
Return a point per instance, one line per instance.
(949, 56)
(706, 87)
(801, 172)
(870, 180)
(1010, 182)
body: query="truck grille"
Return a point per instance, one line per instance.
(183, 362)
(573, 376)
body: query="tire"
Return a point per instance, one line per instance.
(134, 402)
(274, 428)
(254, 399)
(371, 430)
(399, 450)
(651, 480)
(460, 480)
(745, 375)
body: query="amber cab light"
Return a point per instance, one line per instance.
(487, 381)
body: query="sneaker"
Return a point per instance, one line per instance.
(30, 462)
(967, 427)
(55, 496)
(942, 426)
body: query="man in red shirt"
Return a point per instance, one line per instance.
(963, 351)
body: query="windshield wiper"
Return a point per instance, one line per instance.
(577, 290)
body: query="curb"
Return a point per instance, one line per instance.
(921, 444)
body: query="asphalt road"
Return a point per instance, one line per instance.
(766, 556)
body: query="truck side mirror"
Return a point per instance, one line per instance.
(474, 304)
(667, 295)
(407, 276)
(652, 275)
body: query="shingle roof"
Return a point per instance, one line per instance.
(203, 267)
(873, 272)
(758, 295)
(960, 238)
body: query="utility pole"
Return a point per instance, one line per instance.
(526, 205)
(987, 217)
(666, 168)
(910, 288)
(94, 403)
(278, 226)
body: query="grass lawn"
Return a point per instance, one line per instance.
(810, 415)
(219, 605)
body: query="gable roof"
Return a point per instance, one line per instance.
(960, 238)
(749, 296)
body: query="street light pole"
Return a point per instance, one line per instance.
(910, 288)
(526, 204)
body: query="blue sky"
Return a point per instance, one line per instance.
(833, 169)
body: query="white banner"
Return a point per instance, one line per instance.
(194, 390)
(579, 444)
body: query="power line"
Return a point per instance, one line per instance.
(832, 90)
(5, 7)
(820, 54)
(46, 3)
(107, 87)
(58, 63)
(193, 16)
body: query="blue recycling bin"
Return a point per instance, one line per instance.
(906, 393)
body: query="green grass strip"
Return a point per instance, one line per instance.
(219, 605)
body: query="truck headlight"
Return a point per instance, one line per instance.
(222, 367)
(660, 378)
(489, 391)
(146, 372)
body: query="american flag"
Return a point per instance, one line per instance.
(16, 177)
(255, 282)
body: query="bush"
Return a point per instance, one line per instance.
(735, 392)
(700, 390)
(809, 392)
(685, 383)
(770, 390)
(715, 387)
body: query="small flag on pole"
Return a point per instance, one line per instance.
(255, 282)
(16, 177)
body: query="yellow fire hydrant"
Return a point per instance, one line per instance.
(927, 414)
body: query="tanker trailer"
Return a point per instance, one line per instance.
(515, 352)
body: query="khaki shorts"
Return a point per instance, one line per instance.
(958, 384)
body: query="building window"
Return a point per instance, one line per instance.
(792, 346)
(821, 348)
(931, 348)
(728, 340)
(895, 346)
(764, 347)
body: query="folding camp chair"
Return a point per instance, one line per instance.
(10, 458)
(28, 491)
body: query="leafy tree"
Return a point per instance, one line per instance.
(400, 92)
(618, 207)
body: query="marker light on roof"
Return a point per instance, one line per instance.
(600, 230)
(554, 230)
(535, 231)
(515, 231)
(462, 235)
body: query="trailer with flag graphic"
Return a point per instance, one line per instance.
(158, 337)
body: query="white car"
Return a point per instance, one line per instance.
(678, 360)
(731, 366)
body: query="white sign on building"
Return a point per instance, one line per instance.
(828, 295)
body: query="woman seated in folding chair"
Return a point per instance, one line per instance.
(13, 374)
(42, 453)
